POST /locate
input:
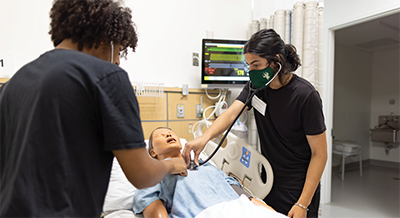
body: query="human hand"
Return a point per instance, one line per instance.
(178, 166)
(297, 212)
(197, 146)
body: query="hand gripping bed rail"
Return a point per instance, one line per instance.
(242, 160)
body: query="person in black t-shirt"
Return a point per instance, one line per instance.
(65, 115)
(290, 123)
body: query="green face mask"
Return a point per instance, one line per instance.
(261, 77)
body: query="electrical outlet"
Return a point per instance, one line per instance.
(180, 111)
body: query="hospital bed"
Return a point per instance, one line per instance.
(237, 159)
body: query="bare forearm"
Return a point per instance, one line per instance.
(143, 171)
(149, 173)
(313, 177)
(316, 167)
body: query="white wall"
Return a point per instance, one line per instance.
(385, 86)
(352, 98)
(169, 31)
(24, 30)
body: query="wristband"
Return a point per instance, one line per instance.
(251, 197)
(305, 208)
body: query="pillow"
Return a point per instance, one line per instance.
(120, 191)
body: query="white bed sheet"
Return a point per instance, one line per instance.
(123, 214)
(239, 208)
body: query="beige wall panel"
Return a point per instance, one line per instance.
(152, 108)
(183, 129)
(148, 127)
(190, 102)
(3, 80)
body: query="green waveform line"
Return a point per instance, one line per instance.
(226, 57)
(225, 49)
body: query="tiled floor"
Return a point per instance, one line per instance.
(374, 195)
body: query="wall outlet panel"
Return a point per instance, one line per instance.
(180, 110)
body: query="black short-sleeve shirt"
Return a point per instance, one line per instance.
(60, 118)
(293, 111)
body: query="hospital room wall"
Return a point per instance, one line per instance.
(169, 32)
(352, 98)
(24, 30)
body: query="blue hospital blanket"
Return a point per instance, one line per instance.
(188, 196)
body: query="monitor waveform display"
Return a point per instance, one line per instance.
(223, 62)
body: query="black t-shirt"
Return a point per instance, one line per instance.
(60, 118)
(293, 111)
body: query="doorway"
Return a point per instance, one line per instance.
(366, 79)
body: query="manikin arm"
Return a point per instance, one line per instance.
(155, 210)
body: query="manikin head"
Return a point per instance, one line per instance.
(164, 143)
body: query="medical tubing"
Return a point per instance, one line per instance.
(216, 97)
(233, 123)
(240, 113)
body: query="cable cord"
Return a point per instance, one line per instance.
(216, 97)
(230, 127)
(250, 96)
(222, 97)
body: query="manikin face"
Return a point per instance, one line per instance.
(166, 144)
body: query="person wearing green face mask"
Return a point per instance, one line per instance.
(290, 123)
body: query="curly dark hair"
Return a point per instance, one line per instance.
(91, 22)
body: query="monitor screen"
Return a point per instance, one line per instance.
(223, 63)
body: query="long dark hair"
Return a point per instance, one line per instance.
(266, 43)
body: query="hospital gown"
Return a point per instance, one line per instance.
(188, 196)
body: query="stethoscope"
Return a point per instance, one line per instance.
(252, 92)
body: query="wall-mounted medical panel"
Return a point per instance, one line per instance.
(153, 108)
(190, 101)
